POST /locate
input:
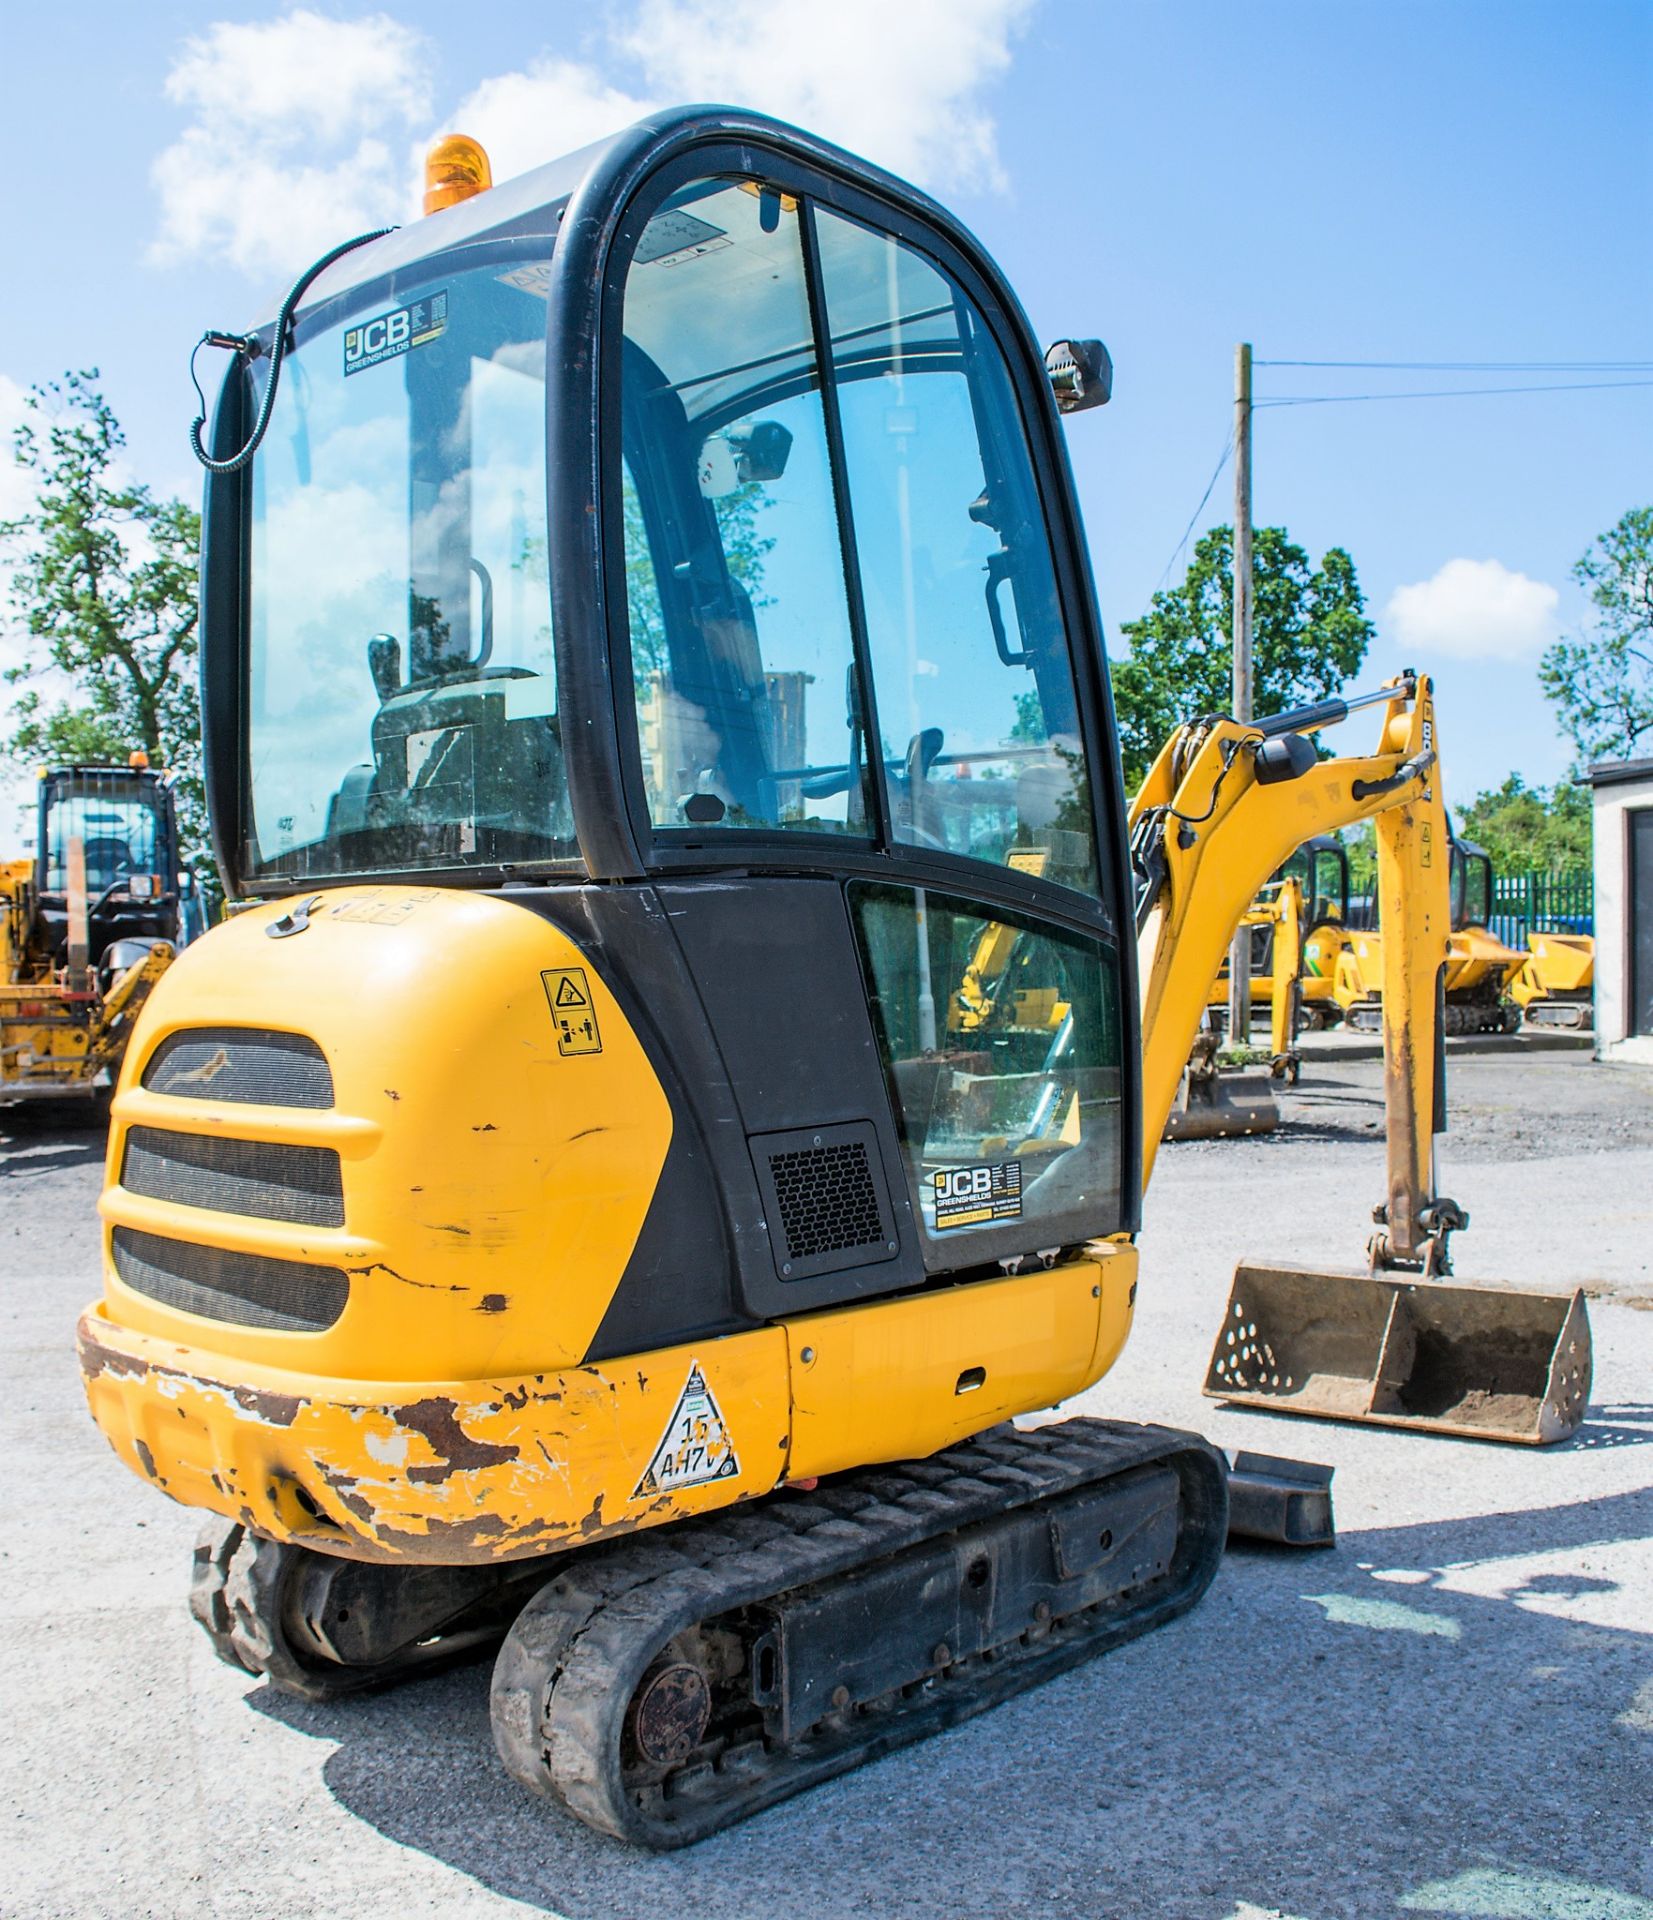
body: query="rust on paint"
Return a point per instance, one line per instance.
(436, 1420)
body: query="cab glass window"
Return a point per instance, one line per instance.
(975, 696)
(741, 654)
(1001, 1040)
(402, 708)
(118, 828)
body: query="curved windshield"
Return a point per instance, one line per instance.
(402, 708)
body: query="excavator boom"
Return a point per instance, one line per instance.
(1221, 809)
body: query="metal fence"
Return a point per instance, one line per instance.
(1524, 903)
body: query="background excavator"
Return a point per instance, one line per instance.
(686, 1079)
(1479, 970)
(1319, 870)
(87, 927)
(1555, 984)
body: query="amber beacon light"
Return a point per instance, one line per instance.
(455, 169)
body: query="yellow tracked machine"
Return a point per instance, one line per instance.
(681, 1091)
(86, 929)
(1480, 968)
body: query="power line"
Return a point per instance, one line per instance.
(1447, 393)
(1182, 544)
(1476, 366)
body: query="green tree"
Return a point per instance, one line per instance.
(1309, 635)
(1526, 827)
(103, 592)
(1601, 682)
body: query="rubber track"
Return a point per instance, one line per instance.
(569, 1667)
(239, 1592)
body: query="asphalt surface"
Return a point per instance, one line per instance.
(1450, 1714)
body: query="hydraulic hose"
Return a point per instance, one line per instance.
(249, 346)
(1408, 770)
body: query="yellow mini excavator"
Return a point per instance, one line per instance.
(1479, 966)
(1319, 870)
(1555, 985)
(651, 677)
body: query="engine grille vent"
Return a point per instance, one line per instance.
(825, 1199)
(245, 1065)
(266, 1180)
(245, 1289)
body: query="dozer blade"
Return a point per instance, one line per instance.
(1223, 1106)
(1485, 1363)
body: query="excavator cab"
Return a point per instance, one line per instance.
(119, 823)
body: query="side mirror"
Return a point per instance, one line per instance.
(744, 452)
(1081, 374)
(384, 663)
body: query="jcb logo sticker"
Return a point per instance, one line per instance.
(389, 335)
(972, 1196)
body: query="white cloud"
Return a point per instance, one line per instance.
(295, 138)
(554, 107)
(1472, 610)
(898, 83)
(299, 126)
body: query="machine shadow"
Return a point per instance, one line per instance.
(1312, 1739)
(29, 1151)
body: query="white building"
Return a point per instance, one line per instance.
(1623, 795)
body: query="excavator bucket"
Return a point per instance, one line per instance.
(1223, 1106)
(1484, 1363)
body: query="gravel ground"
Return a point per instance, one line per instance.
(1451, 1714)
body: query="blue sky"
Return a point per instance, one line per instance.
(1453, 181)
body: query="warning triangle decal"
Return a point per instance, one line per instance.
(569, 995)
(694, 1448)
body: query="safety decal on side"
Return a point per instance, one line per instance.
(974, 1196)
(387, 336)
(695, 1447)
(569, 994)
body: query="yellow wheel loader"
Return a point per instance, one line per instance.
(1555, 986)
(649, 662)
(86, 928)
(1480, 968)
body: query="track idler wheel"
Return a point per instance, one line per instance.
(318, 1626)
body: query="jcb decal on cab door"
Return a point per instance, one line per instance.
(973, 1196)
(694, 1448)
(388, 335)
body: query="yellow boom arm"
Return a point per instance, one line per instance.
(1222, 808)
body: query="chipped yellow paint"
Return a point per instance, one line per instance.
(459, 1471)
(443, 1471)
(494, 1187)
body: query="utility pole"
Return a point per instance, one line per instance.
(1239, 955)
